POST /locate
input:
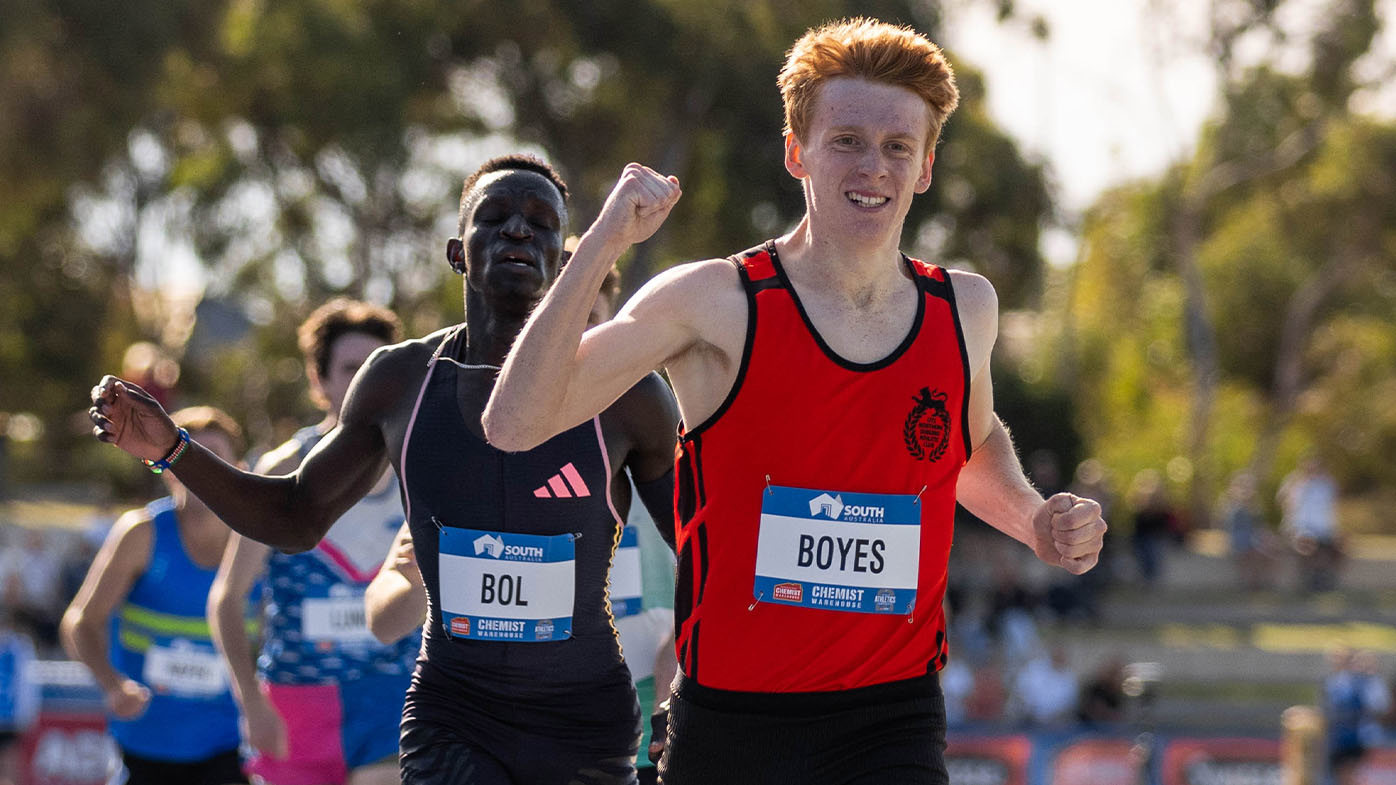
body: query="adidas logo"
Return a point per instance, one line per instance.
(566, 484)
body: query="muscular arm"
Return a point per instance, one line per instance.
(1063, 531)
(290, 512)
(85, 629)
(555, 377)
(396, 600)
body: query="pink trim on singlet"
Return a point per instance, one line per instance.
(606, 461)
(412, 424)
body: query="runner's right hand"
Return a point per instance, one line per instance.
(263, 727)
(128, 700)
(125, 415)
(638, 204)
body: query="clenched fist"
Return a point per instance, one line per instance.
(125, 415)
(638, 204)
(1068, 532)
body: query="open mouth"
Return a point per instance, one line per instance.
(518, 258)
(863, 200)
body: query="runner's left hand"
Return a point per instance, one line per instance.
(1068, 532)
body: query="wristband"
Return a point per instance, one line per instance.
(171, 458)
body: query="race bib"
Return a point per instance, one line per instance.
(335, 619)
(183, 670)
(626, 587)
(498, 586)
(855, 552)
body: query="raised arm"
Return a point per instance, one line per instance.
(395, 602)
(86, 626)
(554, 378)
(290, 512)
(1064, 531)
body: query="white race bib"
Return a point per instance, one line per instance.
(507, 587)
(856, 552)
(626, 585)
(335, 619)
(181, 669)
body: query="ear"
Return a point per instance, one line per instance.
(455, 254)
(794, 157)
(924, 181)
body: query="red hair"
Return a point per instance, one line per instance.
(866, 49)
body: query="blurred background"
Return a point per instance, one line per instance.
(1188, 210)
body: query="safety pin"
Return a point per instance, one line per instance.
(918, 493)
(752, 606)
(769, 489)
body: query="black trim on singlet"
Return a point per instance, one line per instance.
(751, 289)
(964, 363)
(692, 648)
(834, 356)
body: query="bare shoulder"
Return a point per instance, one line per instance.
(692, 289)
(130, 540)
(649, 404)
(978, 306)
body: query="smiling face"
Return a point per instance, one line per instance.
(513, 235)
(864, 160)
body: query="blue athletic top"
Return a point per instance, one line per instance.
(315, 631)
(576, 688)
(160, 638)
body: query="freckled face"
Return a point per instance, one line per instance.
(865, 158)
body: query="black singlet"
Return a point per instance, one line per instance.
(570, 702)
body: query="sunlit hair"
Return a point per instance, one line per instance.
(505, 163)
(339, 317)
(867, 49)
(209, 418)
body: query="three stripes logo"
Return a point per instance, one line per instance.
(566, 484)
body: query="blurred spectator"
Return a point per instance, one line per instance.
(1046, 690)
(1309, 499)
(989, 696)
(29, 578)
(19, 699)
(1376, 698)
(1345, 712)
(957, 682)
(1011, 619)
(1155, 524)
(1103, 697)
(1247, 536)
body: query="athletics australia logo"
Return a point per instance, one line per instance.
(489, 543)
(927, 428)
(543, 630)
(826, 505)
(884, 600)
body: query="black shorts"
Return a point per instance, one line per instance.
(888, 733)
(222, 769)
(433, 755)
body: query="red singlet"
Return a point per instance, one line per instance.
(810, 419)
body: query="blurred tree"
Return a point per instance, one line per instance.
(267, 155)
(1212, 290)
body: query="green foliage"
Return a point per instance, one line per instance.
(306, 148)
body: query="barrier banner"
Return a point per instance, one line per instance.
(1378, 768)
(988, 760)
(1222, 761)
(1096, 761)
(69, 749)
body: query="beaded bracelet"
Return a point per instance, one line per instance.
(177, 452)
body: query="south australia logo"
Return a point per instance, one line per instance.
(927, 428)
